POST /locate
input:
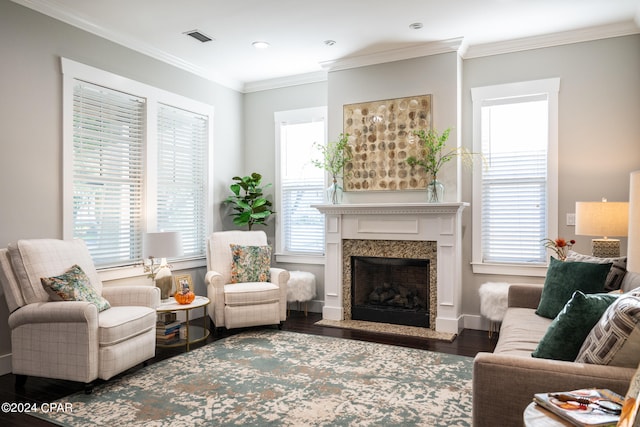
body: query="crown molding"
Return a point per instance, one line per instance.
(409, 52)
(280, 82)
(555, 39)
(55, 10)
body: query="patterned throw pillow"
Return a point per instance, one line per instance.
(250, 263)
(615, 339)
(73, 285)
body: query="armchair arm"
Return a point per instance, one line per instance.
(504, 385)
(147, 296)
(525, 295)
(215, 293)
(55, 312)
(279, 276)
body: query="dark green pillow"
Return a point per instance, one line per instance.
(570, 328)
(564, 278)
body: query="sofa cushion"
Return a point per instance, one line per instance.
(121, 323)
(73, 285)
(250, 263)
(615, 339)
(616, 274)
(567, 332)
(520, 332)
(564, 278)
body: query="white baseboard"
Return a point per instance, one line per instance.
(5, 364)
(475, 321)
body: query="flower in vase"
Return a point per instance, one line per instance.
(560, 246)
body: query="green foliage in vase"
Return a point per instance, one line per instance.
(335, 155)
(433, 156)
(250, 207)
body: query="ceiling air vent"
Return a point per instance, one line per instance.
(199, 35)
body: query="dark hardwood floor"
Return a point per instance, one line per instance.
(43, 390)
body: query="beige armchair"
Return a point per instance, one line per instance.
(72, 340)
(246, 303)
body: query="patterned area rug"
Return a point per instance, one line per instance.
(387, 328)
(276, 378)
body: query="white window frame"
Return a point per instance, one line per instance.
(73, 71)
(549, 87)
(303, 115)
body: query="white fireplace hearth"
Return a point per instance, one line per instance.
(439, 223)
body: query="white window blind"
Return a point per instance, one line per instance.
(514, 181)
(515, 189)
(182, 173)
(108, 136)
(300, 227)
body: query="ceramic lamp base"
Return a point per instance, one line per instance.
(605, 248)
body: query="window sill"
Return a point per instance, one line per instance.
(300, 259)
(537, 270)
(130, 271)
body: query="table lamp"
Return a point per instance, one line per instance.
(633, 243)
(603, 219)
(157, 247)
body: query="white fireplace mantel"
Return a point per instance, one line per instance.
(438, 222)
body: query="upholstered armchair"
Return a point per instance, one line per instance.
(97, 332)
(244, 290)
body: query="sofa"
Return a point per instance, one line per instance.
(505, 381)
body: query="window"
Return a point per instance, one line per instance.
(300, 228)
(515, 192)
(136, 159)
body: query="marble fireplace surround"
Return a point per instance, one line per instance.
(440, 223)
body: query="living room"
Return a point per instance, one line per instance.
(598, 132)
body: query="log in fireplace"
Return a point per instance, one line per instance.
(390, 290)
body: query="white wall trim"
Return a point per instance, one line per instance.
(555, 39)
(5, 364)
(300, 79)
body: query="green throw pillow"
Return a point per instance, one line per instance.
(564, 278)
(73, 285)
(250, 263)
(570, 328)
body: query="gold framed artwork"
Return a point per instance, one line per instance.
(381, 138)
(183, 280)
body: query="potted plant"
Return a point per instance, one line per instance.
(249, 204)
(432, 157)
(335, 155)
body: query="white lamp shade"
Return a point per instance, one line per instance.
(633, 244)
(605, 219)
(167, 244)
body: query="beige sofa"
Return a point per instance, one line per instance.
(505, 381)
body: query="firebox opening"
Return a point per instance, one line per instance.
(390, 290)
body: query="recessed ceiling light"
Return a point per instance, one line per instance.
(199, 35)
(329, 42)
(260, 44)
(416, 25)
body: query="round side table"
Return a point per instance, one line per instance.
(194, 333)
(536, 416)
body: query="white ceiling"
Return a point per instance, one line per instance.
(297, 29)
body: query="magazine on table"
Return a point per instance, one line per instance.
(584, 407)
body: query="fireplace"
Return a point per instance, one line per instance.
(430, 231)
(390, 290)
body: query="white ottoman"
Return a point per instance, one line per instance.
(493, 303)
(301, 287)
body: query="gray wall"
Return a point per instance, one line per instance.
(31, 45)
(599, 130)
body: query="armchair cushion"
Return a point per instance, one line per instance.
(251, 293)
(73, 285)
(250, 263)
(122, 323)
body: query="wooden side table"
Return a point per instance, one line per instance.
(194, 334)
